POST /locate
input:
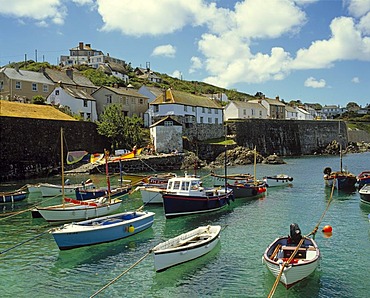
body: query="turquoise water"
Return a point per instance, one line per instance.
(233, 269)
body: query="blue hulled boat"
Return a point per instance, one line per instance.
(12, 196)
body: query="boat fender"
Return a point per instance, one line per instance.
(131, 229)
(290, 179)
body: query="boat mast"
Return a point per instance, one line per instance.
(62, 160)
(255, 162)
(106, 153)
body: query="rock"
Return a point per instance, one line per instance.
(273, 160)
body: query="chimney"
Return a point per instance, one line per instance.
(16, 67)
(81, 45)
(69, 73)
(88, 45)
(278, 98)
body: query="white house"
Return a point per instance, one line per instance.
(190, 108)
(332, 110)
(166, 135)
(79, 101)
(303, 114)
(245, 110)
(291, 113)
(275, 108)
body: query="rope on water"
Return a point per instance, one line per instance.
(120, 275)
(25, 241)
(12, 214)
(313, 232)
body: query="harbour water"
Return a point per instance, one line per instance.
(234, 269)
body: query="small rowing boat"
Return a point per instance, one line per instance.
(12, 196)
(186, 247)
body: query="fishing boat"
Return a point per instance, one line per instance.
(186, 247)
(292, 258)
(102, 229)
(365, 194)
(74, 210)
(12, 196)
(151, 194)
(33, 188)
(278, 180)
(342, 179)
(363, 178)
(186, 195)
(51, 190)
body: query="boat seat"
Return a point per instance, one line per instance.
(288, 250)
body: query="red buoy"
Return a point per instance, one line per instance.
(327, 229)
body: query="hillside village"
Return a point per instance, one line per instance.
(143, 92)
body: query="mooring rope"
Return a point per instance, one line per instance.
(120, 275)
(25, 241)
(313, 232)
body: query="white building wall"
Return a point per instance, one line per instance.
(76, 105)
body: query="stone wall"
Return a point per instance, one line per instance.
(31, 147)
(287, 137)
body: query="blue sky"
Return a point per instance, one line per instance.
(314, 51)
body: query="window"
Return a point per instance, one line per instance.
(185, 185)
(109, 98)
(216, 121)
(216, 111)
(88, 116)
(193, 109)
(45, 88)
(168, 123)
(252, 110)
(201, 120)
(185, 108)
(56, 92)
(85, 103)
(209, 111)
(209, 120)
(176, 185)
(18, 85)
(141, 101)
(155, 108)
(244, 112)
(203, 110)
(1, 85)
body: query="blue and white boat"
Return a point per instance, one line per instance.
(12, 196)
(186, 195)
(365, 194)
(102, 229)
(84, 194)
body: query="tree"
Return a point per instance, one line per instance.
(38, 100)
(122, 131)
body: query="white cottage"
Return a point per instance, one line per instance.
(166, 135)
(245, 110)
(79, 101)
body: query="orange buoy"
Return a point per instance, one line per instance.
(327, 229)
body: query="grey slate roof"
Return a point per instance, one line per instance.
(77, 93)
(26, 75)
(61, 76)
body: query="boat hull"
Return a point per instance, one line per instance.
(341, 182)
(178, 205)
(246, 190)
(151, 195)
(101, 230)
(363, 178)
(299, 269)
(274, 181)
(165, 258)
(51, 190)
(365, 194)
(75, 212)
(11, 197)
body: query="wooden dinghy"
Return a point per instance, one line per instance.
(185, 247)
(12, 196)
(280, 259)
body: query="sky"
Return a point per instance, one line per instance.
(315, 51)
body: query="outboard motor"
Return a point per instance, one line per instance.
(295, 233)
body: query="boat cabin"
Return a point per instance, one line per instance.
(185, 185)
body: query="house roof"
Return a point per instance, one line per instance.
(123, 91)
(61, 76)
(246, 104)
(183, 98)
(290, 109)
(274, 102)
(24, 110)
(154, 90)
(77, 93)
(25, 75)
(168, 118)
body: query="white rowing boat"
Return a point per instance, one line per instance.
(185, 247)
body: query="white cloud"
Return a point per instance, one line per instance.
(355, 80)
(39, 10)
(358, 8)
(196, 64)
(164, 50)
(313, 83)
(177, 74)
